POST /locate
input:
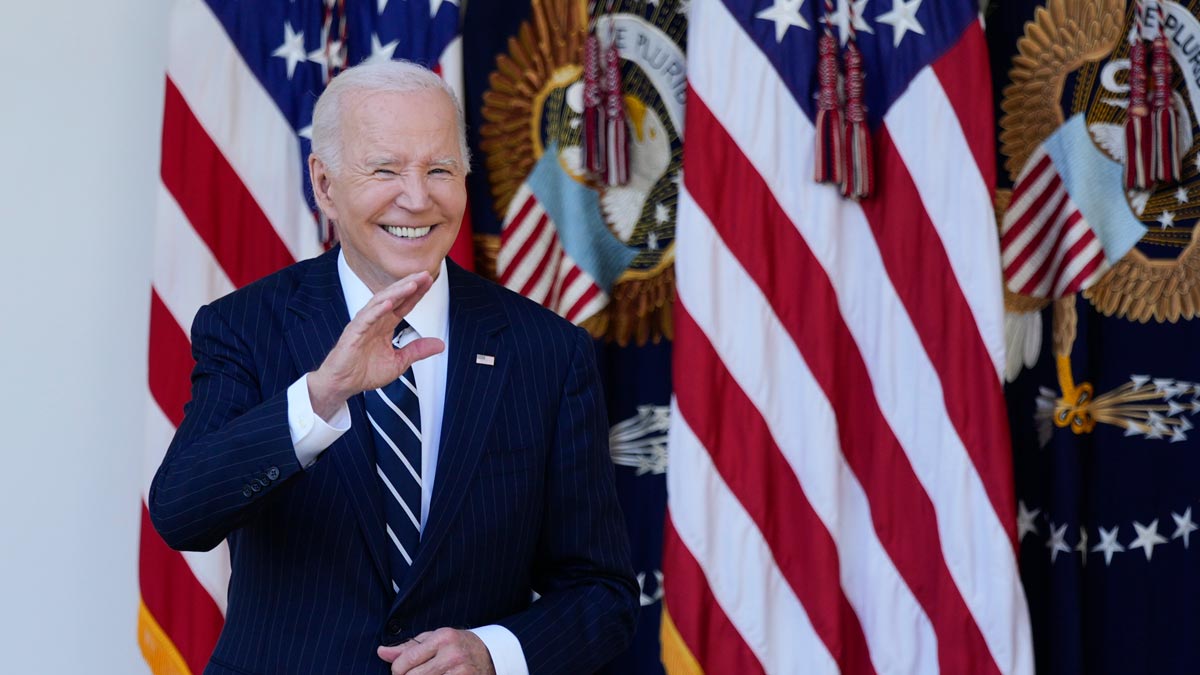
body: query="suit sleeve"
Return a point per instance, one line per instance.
(232, 449)
(589, 597)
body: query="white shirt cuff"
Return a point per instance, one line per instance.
(507, 656)
(311, 434)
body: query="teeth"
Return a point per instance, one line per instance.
(408, 232)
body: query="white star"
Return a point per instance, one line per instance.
(1167, 219)
(381, 52)
(1108, 544)
(661, 214)
(1058, 541)
(1181, 195)
(1184, 526)
(1025, 518)
(841, 18)
(435, 5)
(902, 18)
(785, 14)
(652, 241)
(292, 48)
(1147, 537)
(1082, 545)
(1198, 162)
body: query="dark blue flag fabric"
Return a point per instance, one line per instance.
(1103, 383)
(597, 250)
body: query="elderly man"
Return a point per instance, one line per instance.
(424, 488)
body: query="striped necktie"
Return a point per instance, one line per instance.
(394, 412)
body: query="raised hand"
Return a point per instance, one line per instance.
(364, 357)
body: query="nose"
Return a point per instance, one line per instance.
(414, 195)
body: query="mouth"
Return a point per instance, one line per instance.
(408, 232)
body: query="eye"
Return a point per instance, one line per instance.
(439, 171)
(384, 172)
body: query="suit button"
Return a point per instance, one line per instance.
(247, 491)
(255, 486)
(394, 627)
(272, 473)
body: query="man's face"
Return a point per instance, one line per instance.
(399, 197)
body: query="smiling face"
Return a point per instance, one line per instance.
(398, 198)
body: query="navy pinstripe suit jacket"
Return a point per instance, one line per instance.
(524, 497)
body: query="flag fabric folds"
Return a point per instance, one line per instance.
(234, 205)
(840, 490)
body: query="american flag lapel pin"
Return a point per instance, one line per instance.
(485, 359)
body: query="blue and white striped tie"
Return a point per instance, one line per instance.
(395, 416)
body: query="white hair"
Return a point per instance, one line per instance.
(395, 76)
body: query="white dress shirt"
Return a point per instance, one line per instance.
(311, 434)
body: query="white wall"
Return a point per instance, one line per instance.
(80, 107)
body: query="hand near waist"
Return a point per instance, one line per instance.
(445, 650)
(364, 357)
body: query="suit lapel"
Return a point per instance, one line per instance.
(472, 393)
(317, 317)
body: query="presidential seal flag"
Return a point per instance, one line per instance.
(233, 206)
(1104, 386)
(840, 482)
(576, 112)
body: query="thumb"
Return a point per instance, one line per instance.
(390, 654)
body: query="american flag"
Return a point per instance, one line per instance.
(840, 485)
(233, 206)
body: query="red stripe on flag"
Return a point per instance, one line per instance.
(574, 314)
(971, 96)
(1087, 271)
(1030, 248)
(1054, 258)
(214, 199)
(541, 270)
(921, 273)
(711, 638)
(1027, 180)
(766, 486)
(779, 260)
(1063, 260)
(170, 361)
(1032, 216)
(178, 602)
(542, 223)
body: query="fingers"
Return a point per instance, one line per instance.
(442, 651)
(388, 306)
(405, 293)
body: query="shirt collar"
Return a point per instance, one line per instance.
(430, 318)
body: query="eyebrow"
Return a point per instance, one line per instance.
(384, 160)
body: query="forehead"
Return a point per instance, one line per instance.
(411, 124)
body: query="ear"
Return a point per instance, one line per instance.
(321, 184)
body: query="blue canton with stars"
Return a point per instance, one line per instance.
(290, 50)
(897, 39)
